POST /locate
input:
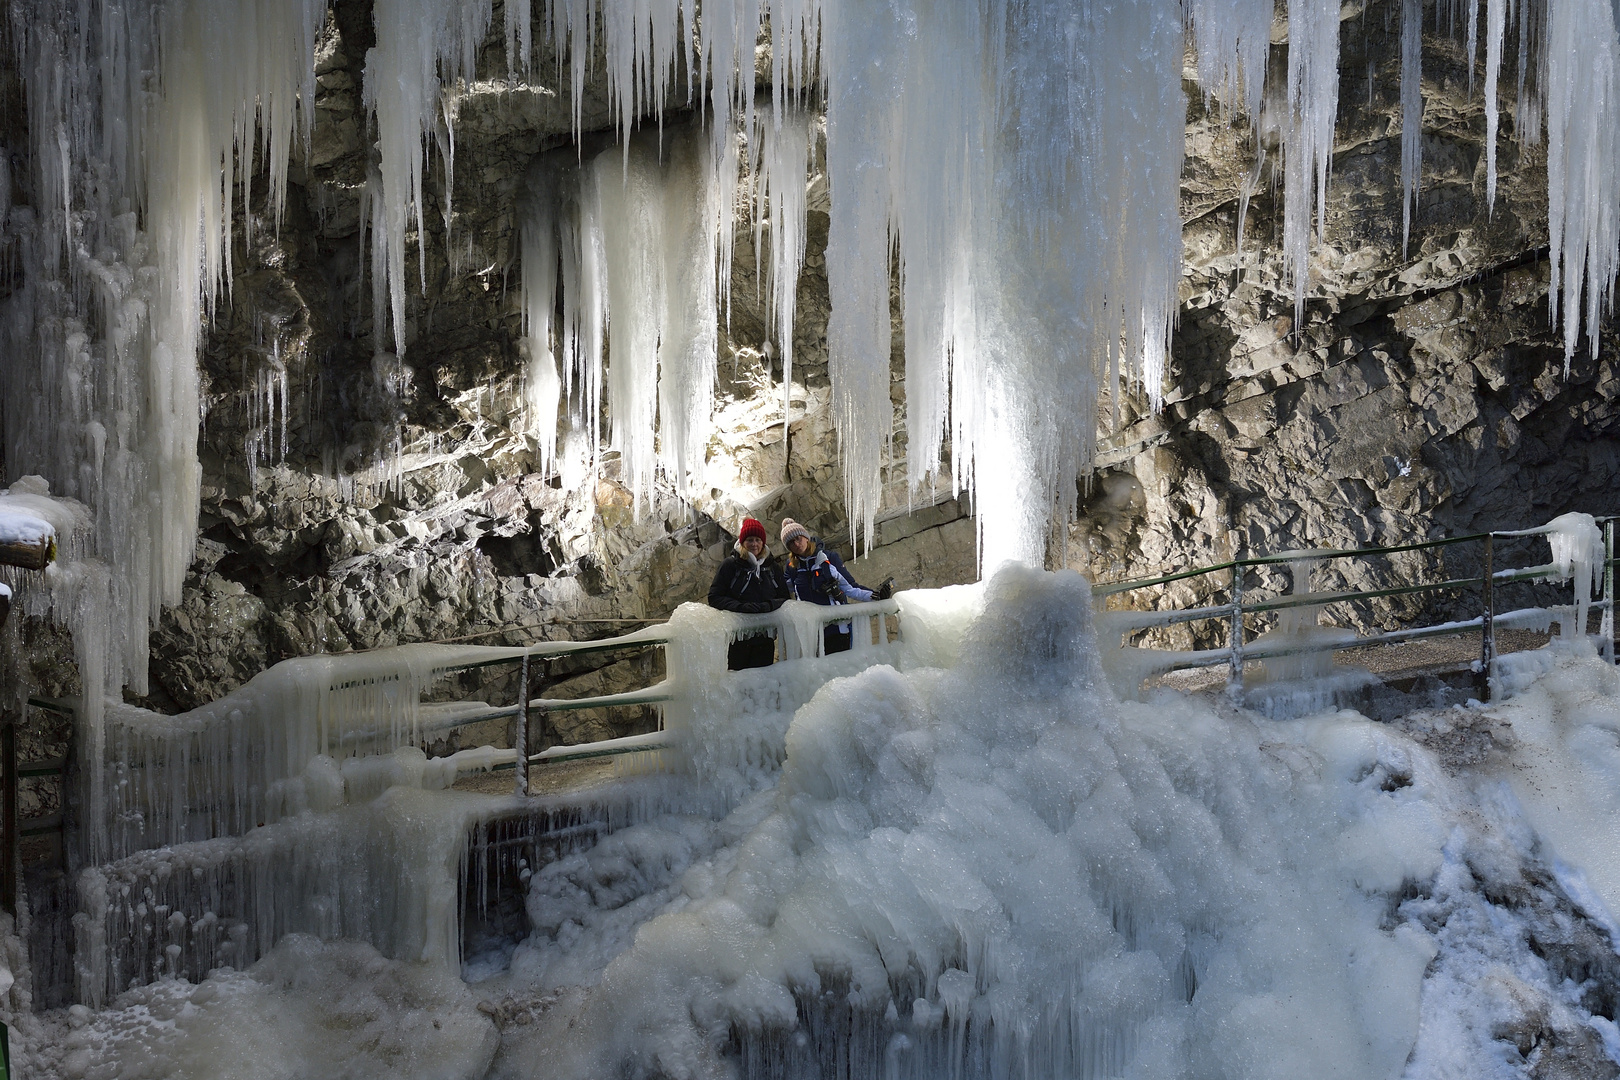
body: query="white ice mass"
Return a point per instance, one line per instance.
(960, 854)
(928, 154)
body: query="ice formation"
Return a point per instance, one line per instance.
(1412, 113)
(957, 138)
(307, 1009)
(990, 867)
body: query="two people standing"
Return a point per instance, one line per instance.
(749, 583)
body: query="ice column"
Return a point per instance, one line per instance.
(1411, 110)
(141, 114)
(415, 38)
(783, 157)
(1313, 105)
(1583, 170)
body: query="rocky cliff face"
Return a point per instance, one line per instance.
(353, 500)
(1424, 393)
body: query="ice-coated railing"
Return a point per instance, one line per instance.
(324, 751)
(311, 732)
(1582, 551)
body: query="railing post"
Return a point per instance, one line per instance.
(1234, 681)
(8, 814)
(520, 737)
(1487, 630)
(1608, 591)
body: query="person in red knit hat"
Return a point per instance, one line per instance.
(750, 583)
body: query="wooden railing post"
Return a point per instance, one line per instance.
(8, 814)
(1487, 631)
(1607, 625)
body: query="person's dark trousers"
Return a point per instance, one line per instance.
(835, 640)
(756, 651)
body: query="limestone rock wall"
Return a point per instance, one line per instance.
(1423, 394)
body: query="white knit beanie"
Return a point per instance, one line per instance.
(792, 530)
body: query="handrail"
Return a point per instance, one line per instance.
(1237, 652)
(651, 695)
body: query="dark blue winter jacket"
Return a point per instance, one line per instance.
(820, 578)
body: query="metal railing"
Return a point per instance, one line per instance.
(869, 620)
(1237, 652)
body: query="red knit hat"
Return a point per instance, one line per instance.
(750, 527)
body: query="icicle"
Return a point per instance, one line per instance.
(1233, 38)
(541, 386)
(1495, 30)
(402, 91)
(1583, 166)
(1472, 56)
(1313, 104)
(689, 339)
(519, 45)
(1411, 111)
(631, 226)
(783, 160)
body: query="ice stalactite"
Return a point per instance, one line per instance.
(1233, 38)
(631, 237)
(1583, 166)
(1313, 106)
(542, 383)
(1495, 30)
(781, 161)
(1411, 111)
(417, 40)
(688, 346)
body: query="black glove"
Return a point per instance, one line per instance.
(885, 590)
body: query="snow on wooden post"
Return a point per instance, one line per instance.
(26, 541)
(28, 554)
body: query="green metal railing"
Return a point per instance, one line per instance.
(1236, 652)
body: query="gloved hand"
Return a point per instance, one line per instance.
(827, 581)
(885, 590)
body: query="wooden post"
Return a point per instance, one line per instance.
(1487, 631)
(8, 813)
(1607, 629)
(29, 556)
(520, 738)
(1234, 681)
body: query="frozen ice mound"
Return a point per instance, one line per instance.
(997, 868)
(308, 1009)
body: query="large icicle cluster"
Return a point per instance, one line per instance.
(1013, 164)
(138, 113)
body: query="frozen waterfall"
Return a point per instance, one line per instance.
(1015, 162)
